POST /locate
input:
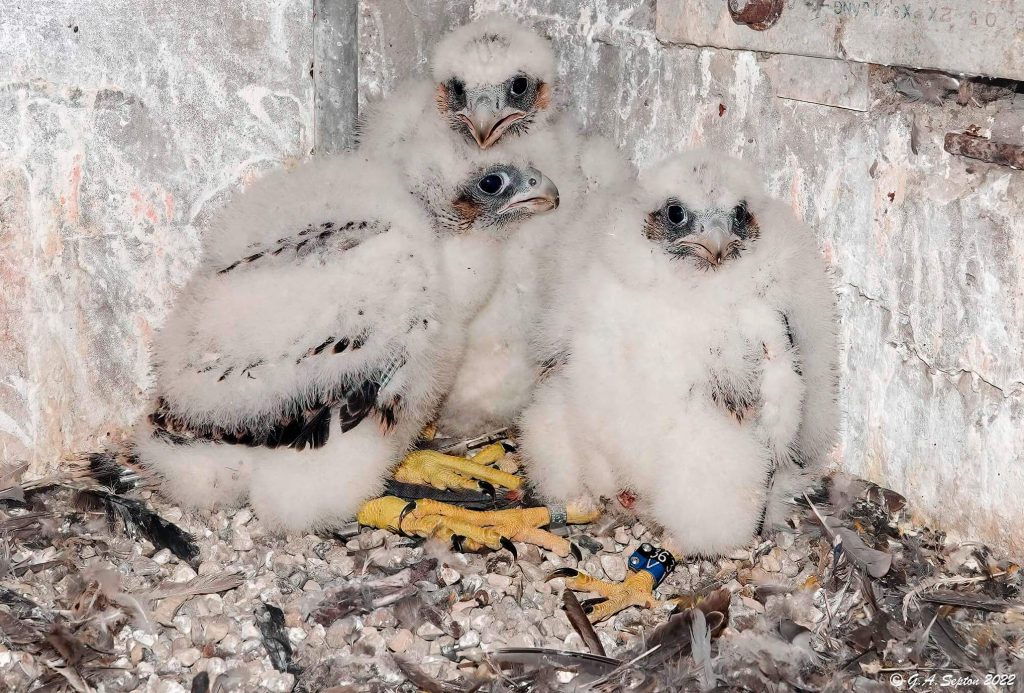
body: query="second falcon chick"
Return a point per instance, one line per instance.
(494, 88)
(678, 374)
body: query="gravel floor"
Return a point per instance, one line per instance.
(86, 606)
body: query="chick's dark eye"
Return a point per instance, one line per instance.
(676, 214)
(740, 214)
(519, 85)
(490, 184)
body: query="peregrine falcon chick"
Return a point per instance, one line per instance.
(494, 88)
(323, 327)
(683, 369)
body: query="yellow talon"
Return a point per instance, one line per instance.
(449, 472)
(473, 528)
(636, 590)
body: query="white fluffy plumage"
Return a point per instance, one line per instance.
(318, 336)
(499, 371)
(489, 50)
(678, 379)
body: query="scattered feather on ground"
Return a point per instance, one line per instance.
(852, 596)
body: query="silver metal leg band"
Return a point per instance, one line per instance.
(559, 515)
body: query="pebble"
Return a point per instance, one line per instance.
(428, 631)
(449, 576)
(230, 643)
(521, 640)
(370, 643)
(208, 605)
(241, 518)
(248, 629)
(277, 681)
(381, 618)
(401, 640)
(183, 573)
(469, 639)
(614, 567)
(622, 535)
(214, 666)
(251, 645)
(499, 582)
(188, 656)
(143, 638)
(344, 566)
(242, 541)
(772, 561)
(338, 632)
(214, 629)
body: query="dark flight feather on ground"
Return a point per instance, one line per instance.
(139, 520)
(579, 621)
(270, 621)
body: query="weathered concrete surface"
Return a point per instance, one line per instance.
(121, 124)
(981, 37)
(928, 249)
(335, 72)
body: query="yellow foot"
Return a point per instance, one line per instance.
(648, 566)
(449, 472)
(470, 530)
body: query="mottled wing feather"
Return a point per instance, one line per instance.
(314, 240)
(298, 426)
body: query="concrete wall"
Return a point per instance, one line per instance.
(123, 123)
(928, 249)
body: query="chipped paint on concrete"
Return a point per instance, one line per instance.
(928, 249)
(121, 125)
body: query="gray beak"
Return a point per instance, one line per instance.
(487, 124)
(714, 235)
(539, 195)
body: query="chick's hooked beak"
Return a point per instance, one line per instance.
(486, 122)
(538, 194)
(714, 237)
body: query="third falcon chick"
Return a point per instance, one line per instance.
(680, 372)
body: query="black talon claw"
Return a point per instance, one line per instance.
(575, 551)
(508, 447)
(488, 488)
(510, 547)
(457, 540)
(409, 507)
(561, 573)
(589, 604)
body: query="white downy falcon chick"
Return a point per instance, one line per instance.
(322, 328)
(682, 370)
(494, 89)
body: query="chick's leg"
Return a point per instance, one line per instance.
(450, 472)
(471, 530)
(648, 566)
